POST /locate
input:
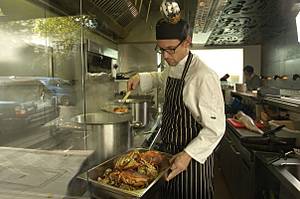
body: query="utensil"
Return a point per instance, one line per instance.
(139, 109)
(273, 131)
(154, 139)
(126, 96)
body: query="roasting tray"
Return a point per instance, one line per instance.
(107, 191)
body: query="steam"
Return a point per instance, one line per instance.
(10, 45)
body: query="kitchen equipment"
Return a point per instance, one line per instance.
(291, 126)
(106, 191)
(139, 109)
(107, 133)
(241, 87)
(126, 96)
(154, 139)
(269, 142)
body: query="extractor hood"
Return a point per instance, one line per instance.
(207, 14)
(119, 15)
(114, 17)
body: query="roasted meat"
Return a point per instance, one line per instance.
(128, 161)
(120, 110)
(134, 170)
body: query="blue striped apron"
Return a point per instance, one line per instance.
(178, 129)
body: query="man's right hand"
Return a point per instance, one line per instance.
(133, 82)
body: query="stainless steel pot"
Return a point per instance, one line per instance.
(107, 133)
(139, 110)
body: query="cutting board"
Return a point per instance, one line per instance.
(235, 123)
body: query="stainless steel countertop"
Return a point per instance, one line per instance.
(281, 173)
(32, 173)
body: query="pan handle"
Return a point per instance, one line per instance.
(273, 131)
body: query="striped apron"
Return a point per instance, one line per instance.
(178, 129)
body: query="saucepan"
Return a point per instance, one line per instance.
(139, 108)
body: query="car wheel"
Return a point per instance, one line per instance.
(65, 101)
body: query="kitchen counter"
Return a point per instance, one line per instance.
(32, 173)
(242, 132)
(245, 94)
(287, 180)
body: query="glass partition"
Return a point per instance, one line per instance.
(42, 87)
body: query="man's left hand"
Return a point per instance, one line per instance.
(179, 162)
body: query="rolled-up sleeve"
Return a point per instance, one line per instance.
(203, 97)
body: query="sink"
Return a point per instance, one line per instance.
(289, 167)
(294, 170)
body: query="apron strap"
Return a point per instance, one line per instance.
(187, 65)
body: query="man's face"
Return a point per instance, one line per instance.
(173, 50)
(247, 75)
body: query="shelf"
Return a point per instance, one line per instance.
(283, 103)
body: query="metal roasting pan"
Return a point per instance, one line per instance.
(103, 190)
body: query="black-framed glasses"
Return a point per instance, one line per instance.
(169, 51)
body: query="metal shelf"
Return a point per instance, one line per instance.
(281, 103)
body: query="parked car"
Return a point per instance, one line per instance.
(25, 103)
(64, 90)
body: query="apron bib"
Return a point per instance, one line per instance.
(177, 130)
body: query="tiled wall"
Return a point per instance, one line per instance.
(281, 56)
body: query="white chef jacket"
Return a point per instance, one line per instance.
(202, 95)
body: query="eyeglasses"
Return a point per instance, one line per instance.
(169, 51)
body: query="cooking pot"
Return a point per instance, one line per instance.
(107, 133)
(139, 110)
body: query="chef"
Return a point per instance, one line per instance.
(193, 119)
(252, 80)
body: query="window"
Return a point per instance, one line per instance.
(224, 61)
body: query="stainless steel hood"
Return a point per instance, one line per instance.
(117, 15)
(208, 13)
(114, 17)
(123, 12)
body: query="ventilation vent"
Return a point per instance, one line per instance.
(122, 12)
(207, 14)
